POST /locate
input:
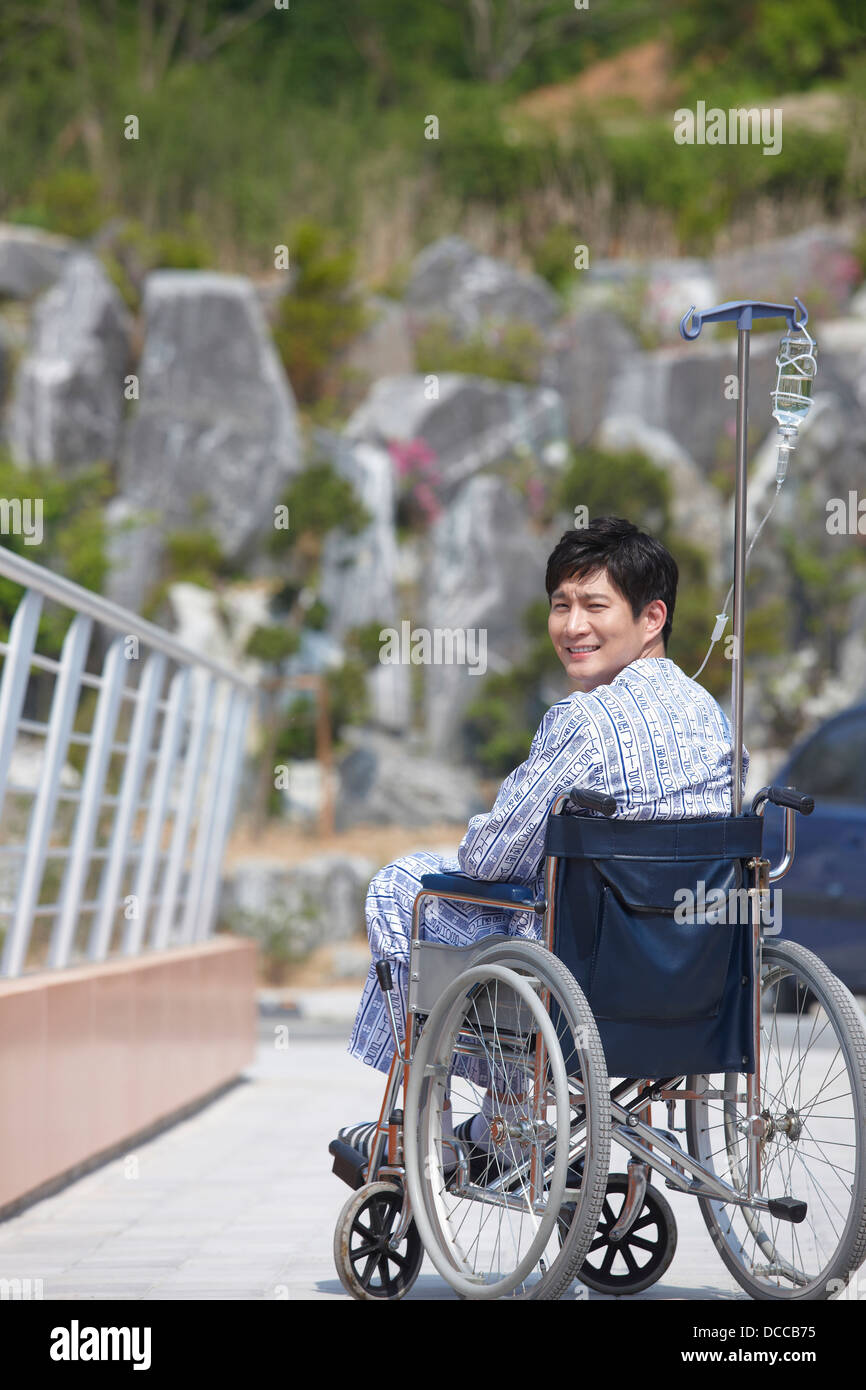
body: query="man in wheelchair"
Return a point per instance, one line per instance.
(635, 727)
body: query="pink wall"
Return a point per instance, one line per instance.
(91, 1055)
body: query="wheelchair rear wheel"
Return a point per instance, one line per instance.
(517, 1026)
(813, 1103)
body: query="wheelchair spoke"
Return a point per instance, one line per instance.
(629, 1258)
(496, 1224)
(639, 1242)
(361, 1250)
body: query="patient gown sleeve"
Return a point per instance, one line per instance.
(507, 842)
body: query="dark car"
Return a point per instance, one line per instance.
(824, 894)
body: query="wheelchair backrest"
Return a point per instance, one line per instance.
(653, 920)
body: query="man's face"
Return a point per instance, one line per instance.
(594, 633)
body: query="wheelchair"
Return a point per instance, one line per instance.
(640, 993)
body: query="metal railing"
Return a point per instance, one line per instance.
(129, 859)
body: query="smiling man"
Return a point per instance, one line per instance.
(635, 727)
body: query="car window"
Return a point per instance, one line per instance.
(833, 764)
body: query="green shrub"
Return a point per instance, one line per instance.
(190, 556)
(320, 315)
(554, 257)
(272, 644)
(506, 352)
(74, 541)
(316, 616)
(363, 642)
(282, 933)
(69, 202)
(318, 500)
(348, 703)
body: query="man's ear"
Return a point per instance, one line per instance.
(655, 615)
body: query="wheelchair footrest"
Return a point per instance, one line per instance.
(788, 1209)
(349, 1163)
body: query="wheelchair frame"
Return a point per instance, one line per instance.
(647, 1145)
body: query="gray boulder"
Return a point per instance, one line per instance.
(819, 258)
(358, 572)
(382, 782)
(487, 563)
(696, 505)
(585, 354)
(134, 548)
(469, 423)
(688, 392)
(68, 401)
(389, 689)
(217, 420)
(451, 280)
(30, 260)
(652, 293)
(312, 903)
(385, 347)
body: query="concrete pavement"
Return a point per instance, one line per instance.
(238, 1201)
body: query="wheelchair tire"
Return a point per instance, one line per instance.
(508, 1020)
(645, 1252)
(368, 1269)
(813, 1097)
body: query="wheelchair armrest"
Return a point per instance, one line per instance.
(463, 886)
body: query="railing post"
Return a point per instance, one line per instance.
(16, 670)
(63, 706)
(98, 758)
(226, 802)
(128, 797)
(184, 814)
(172, 728)
(214, 791)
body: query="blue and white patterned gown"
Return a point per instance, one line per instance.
(654, 739)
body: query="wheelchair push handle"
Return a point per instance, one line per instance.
(593, 801)
(792, 801)
(785, 796)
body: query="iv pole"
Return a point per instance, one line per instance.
(744, 311)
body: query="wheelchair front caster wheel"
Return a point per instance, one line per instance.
(644, 1253)
(367, 1265)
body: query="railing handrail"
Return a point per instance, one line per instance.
(65, 591)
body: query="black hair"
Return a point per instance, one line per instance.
(637, 565)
